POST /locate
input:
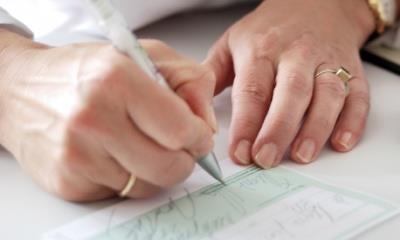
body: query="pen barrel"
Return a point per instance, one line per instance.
(114, 25)
(126, 42)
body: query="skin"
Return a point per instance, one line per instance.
(270, 58)
(80, 118)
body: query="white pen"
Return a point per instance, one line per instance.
(117, 31)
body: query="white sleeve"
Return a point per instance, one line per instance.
(12, 24)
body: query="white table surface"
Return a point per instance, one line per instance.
(374, 166)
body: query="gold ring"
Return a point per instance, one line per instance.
(342, 73)
(128, 187)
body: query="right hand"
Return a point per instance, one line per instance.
(81, 118)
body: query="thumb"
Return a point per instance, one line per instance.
(195, 84)
(219, 61)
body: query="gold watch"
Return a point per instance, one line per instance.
(385, 12)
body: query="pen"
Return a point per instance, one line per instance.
(117, 31)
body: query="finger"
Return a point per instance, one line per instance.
(251, 95)
(147, 160)
(141, 189)
(99, 175)
(292, 95)
(109, 173)
(199, 95)
(327, 103)
(135, 151)
(106, 178)
(219, 61)
(192, 82)
(162, 115)
(353, 120)
(66, 177)
(71, 185)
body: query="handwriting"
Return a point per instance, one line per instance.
(203, 213)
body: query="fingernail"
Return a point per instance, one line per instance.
(266, 155)
(346, 140)
(243, 153)
(212, 119)
(306, 151)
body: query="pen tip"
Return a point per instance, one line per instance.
(210, 164)
(222, 181)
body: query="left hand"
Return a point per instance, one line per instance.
(272, 56)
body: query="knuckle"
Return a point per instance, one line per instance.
(85, 121)
(298, 84)
(260, 56)
(181, 136)
(175, 170)
(304, 46)
(69, 166)
(361, 101)
(203, 149)
(62, 187)
(103, 70)
(261, 45)
(244, 124)
(266, 40)
(111, 75)
(323, 124)
(282, 126)
(81, 118)
(304, 49)
(252, 91)
(70, 155)
(70, 159)
(206, 75)
(192, 72)
(98, 88)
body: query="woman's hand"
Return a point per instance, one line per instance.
(272, 56)
(80, 119)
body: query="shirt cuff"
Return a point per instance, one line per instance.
(12, 24)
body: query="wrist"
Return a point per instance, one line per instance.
(13, 44)
(16, 52)
(362, 18)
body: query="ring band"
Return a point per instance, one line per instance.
(128, 187)
(342, 73)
